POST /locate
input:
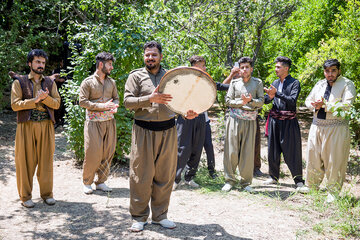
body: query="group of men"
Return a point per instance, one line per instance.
(162, 147)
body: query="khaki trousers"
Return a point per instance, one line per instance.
(152, 172)
(327, 153)
(239, 150)
(100, 144)
(34, 146)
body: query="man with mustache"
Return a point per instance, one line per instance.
(329, 136)
(34, 98)
(154, 142)
(99, 96)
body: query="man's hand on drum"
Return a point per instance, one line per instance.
(191, 114)
(160, 97)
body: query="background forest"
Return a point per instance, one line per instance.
(309, 32)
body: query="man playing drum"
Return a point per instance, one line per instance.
(154, 142)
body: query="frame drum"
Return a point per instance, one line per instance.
(190, 88)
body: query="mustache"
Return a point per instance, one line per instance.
(40, 68)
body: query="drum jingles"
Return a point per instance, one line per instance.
(190, 88)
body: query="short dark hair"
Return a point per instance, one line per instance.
(104, 57)
(332, 62)
(195, 59)
(246, 60)
(285, 61)
(36, 53)
(153, 44)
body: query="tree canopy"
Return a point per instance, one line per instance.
(308, 32)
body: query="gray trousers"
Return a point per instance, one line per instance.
(239, 150)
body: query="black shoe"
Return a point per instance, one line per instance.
(213, 175)
(258, 173)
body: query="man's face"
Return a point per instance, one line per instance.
(37, 65)
(201, 65)
(152, 58)
(281, 71)
(107, 67)
(245, 70)
(331, 73)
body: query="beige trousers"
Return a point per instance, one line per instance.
(100, 144)
(239, 150)
(327, 153)
(34, 146)
(152, 172)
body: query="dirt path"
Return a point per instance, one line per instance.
(198, 215)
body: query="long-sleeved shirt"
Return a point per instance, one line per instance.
(287, 98)
(138, 88)
(94, 94)
(238, 87)
(343, 91)
(18, 103)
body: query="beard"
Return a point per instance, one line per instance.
(148, 66)
(105, 71)
(333, 80)
(40, 70)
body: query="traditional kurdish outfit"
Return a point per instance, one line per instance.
(99, 128)
(241, 129)
(35, 135)
(153, 147)
(329, 137)
(283, 129)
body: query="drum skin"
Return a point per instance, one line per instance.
(190, 88)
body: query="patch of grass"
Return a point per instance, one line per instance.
(341, 216)
(207, 183)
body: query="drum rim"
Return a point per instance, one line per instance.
(185, 67)
(161, 83)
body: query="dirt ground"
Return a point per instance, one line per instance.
(272, 212)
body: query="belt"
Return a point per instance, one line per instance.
(38, 116)
(156, 126)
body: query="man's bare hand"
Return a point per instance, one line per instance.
(110, 105)
(41, 95)
(191, 114)
(246, 98)
(318, 104)
(270, 91)
(161, 98)
(235, 71)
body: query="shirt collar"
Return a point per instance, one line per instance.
(31, 77)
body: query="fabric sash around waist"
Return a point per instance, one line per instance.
(243, 114)
(329, 122)
(282, 115)
(156, 126)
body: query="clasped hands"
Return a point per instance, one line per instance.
(110, 106)
(41, 95)
(163, 98)
(318, 104)
(270, 91)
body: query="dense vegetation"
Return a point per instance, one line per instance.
(222, 31)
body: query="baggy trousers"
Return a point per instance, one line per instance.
(152, 172)
(34, 146)
(284, 137)
(239, 150)
(209, 148)
(191, 137)
(327, 153)
(100, 144)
